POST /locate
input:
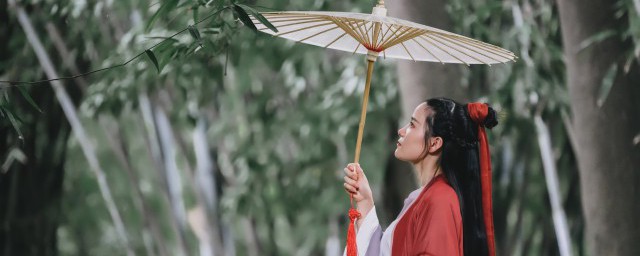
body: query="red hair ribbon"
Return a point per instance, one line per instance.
(478, 112)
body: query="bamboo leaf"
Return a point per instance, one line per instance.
(244, 17)
(607, 83)
(15, 122)
(212, 31)
(194, 32)
(215, 3)
(153, 59)
(162, 11)
(26, 96)
(259, 17)
(195, 13)
(596, 38)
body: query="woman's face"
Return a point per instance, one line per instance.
(411, 144)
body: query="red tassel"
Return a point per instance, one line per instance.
(352, 247)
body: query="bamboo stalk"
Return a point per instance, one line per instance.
(553, 187)
(117, 145)
(363, 114)
(203, 186)
(77, 127)
(146, 111)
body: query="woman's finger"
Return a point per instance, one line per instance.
(351, 182)
(350, 189)
(350, 173)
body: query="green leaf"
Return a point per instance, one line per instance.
(162, 11)
(194, 32)
(153, 59)
(215, 3)
(26, 96)
(258, 16)
(596, 38)
(211, 30)
(14, 121)
(195, 13)
(607, 83)
(244, 17)
(165, 45)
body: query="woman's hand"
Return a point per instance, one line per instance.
(356, 184)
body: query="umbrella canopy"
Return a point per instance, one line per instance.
(392, 37)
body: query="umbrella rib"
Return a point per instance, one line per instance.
(375, 33)
(492, 48)
(283, 19)
(370, 30)
(458, 50)
(346, 28)
(354, 51)
(393, 34)
(427, 49)
(371, 39)
(334, 40)
(300, 29)
(383, 35)
(508, 56)
(285, 14)
(405, 37)
(363, 33)
(463, 46)
(410, 33)
(407, 50)
(437, 46)
(321, 32)
(292, 24)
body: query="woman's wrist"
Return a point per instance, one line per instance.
(364, 207)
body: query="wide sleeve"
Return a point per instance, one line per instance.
(438, 229)
(368, 235)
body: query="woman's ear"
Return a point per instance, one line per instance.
(435, 144)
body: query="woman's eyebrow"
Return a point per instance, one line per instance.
(413, 119)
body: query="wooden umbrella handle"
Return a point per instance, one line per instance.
(363, 114)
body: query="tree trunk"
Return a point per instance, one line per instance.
(417, 81)
(608, 160)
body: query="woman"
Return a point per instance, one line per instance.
(446, 143)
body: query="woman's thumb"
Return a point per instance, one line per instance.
(359, 171)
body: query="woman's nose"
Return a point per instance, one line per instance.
(401, 132)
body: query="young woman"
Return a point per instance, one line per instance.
(450, 214)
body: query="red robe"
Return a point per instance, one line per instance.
(432, 225)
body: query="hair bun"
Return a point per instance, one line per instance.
(491, 120)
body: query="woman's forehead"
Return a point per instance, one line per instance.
(422, 111)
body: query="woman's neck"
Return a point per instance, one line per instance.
(427, 169)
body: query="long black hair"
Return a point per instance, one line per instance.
(460, 164)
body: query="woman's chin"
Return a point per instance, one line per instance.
(398, 155)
